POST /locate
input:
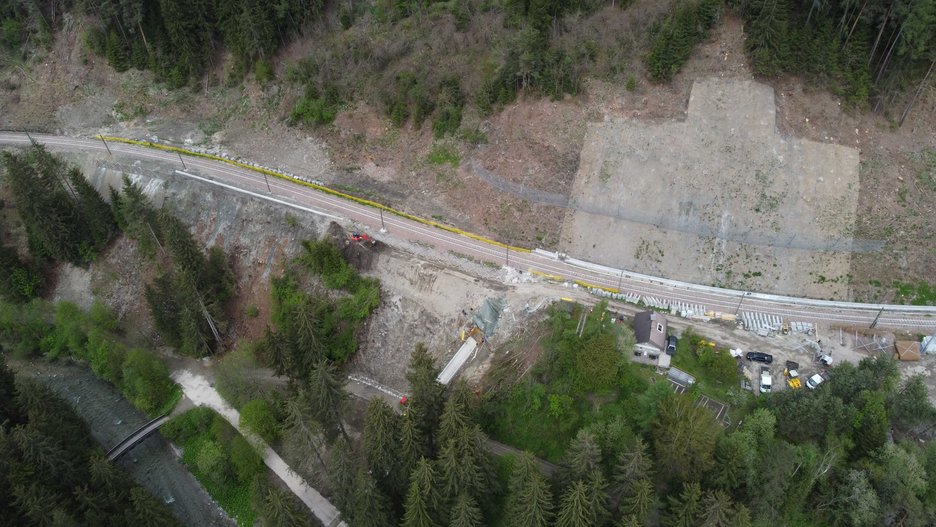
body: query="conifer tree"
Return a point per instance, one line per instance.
(597, 495)
(303, 433)
(278, 509)
(717, 509)
(633, 464)
(381, 429)
(576, 510)
(341, 473)
(95, 212)
(411, 444)
(427, 394)
(465, 512)
(370, 508)
(454, 421)
(582, 457)
(685, 510)
(464, 465)
(640, 500)
(325, 389)
(529, 502)
(629, 521)
(136, 216)
(422, 499)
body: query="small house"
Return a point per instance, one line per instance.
(650, 332)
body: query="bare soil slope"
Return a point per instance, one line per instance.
(718, 198)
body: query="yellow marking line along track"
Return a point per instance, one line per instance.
(320, 188)
(447, 237)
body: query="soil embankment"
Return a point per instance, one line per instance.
(111, 418)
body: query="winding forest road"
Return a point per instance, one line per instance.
(300, 196)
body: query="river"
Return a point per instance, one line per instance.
(153, 463)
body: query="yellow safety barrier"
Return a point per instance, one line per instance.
(545, 275)
(321, 188)
(595, 286)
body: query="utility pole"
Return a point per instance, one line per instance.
(620, 279)
(508, 257)
(383, 228)
(267, 181)
(105, 146)
(876, 318)
(738, 309)
(180, 159)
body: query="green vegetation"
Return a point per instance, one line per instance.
(187, 298)
(715, 370)
(65, 218)
(176, 39)
(916, 294)
(258, 417)
(316, 109)
(800, 457)
(581, 381)
(19, 281)
(36, 329)
(879, 48)
(230, 469)
(442, 154)
(52, 470)
(674, 38)
(238, 375)
(311, 327)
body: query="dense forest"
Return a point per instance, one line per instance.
(877, 53)
(66, 220)
(634, 452)
(53, 473)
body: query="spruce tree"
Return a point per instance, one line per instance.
(465, 512)
(529, 500)
(717, 509)
(381, 429)
(422, 499)
(454, 421)
(370, 508)
(341, 473)
(598, 496)
(465, 466)
(633, 464)
(640, 500)
(325, 388)
(685, 510)
(582, 457)
(278, 509)
(427, 395)
(19, 281)
(576, 510)
(136, 216)
(96, 213)
(411, 444)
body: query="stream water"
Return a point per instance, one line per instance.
(153, 463)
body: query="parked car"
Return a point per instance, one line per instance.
(766, 381)
(757, 356)
(814, 381)
(671, 342)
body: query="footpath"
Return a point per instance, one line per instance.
(200, 392)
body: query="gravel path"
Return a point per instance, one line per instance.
(199, 391)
